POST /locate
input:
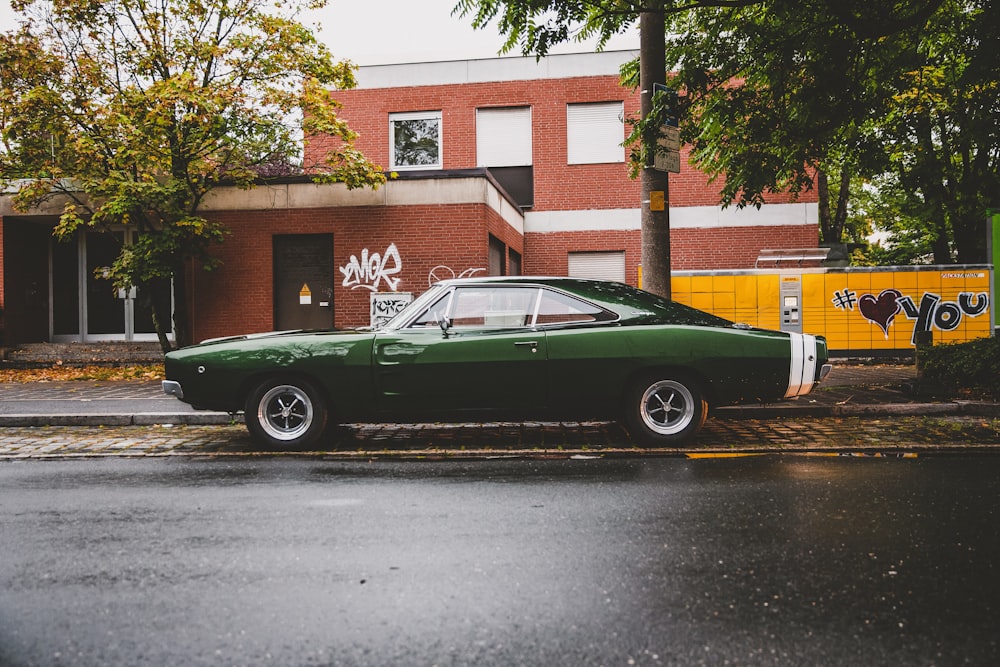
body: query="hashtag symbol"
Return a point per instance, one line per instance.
(845, 299)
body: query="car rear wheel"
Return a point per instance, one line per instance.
(285, 413)
(666, 411)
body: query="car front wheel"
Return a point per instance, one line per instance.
(285, 413)
(665, 411)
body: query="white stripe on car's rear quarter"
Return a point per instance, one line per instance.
(802, 369)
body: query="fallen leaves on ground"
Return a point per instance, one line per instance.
(60, 373)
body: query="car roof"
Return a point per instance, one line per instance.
(631, 304)
(578, 285)
(614, 296)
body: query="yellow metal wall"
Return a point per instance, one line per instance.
(857, 309)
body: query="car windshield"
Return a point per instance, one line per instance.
(415, 306)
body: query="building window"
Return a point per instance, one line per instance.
(595, 133)
(497, 252)
(415, 140)
(600, 265)
(513, 262)
(503, 145)
(503, 137)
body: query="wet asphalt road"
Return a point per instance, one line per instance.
(773, 560)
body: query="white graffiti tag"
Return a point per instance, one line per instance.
(372, 269)
(385, 306)
(442, 272)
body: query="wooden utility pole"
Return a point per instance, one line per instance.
(655, 184)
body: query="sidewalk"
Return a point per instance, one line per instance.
(850, 390)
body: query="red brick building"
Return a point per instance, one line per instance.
(505, 166)
(560, 155)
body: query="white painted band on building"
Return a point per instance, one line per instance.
(681, 217)
(455, 72)
(473, 190)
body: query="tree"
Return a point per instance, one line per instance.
(135, 110)
(942, 128)
(785, 93)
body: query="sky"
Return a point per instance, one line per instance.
(379, 32)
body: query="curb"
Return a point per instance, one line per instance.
(954, 408)
(138, 419)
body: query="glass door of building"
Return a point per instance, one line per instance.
(85, 306)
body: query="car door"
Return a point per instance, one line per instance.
(588, 354)
(486, 358)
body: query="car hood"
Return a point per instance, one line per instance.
(255, 339)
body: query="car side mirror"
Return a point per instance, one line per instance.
(444, 323)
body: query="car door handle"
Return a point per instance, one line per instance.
(533, 344)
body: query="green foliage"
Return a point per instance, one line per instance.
(131, 113)
(899, 220)
(775, 94)
(535, 26)
(972, 367)
(642, 139)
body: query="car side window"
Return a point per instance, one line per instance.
(494, 307)
(508, 307)
(558, 308)
(482, 306)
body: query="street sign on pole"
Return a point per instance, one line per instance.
(670, 137)
(669, 161)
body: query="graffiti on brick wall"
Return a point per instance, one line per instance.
(373, 269)
(385, 305)
(442, 272)
(932, 312)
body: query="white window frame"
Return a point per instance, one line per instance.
(503, 136)
(595, 132)
(415, 115)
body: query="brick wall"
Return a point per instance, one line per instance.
(690, 249)
(432, 240)
(558, 185)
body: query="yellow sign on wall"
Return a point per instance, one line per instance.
(857, 309)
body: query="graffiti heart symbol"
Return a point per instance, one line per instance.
(881, 310)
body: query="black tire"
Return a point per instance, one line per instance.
(285, 413)
(665, 410)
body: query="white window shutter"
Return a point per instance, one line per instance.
(503, 137)
(595, 132)
(600, 265)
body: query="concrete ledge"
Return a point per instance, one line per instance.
(139, 419)
(909, 409)
(188, 418)
(979, 408)
(771, 411)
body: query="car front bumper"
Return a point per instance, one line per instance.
(172, 388)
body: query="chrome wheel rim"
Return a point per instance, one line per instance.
(667, 407)
(285, 412)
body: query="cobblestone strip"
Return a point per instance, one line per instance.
(536, 438)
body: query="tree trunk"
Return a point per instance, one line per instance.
(160, 319)
(843, 199)
(182, 321)
(928, 175)
(655, 223)
(823, 194)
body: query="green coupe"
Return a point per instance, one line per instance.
(503, 348)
